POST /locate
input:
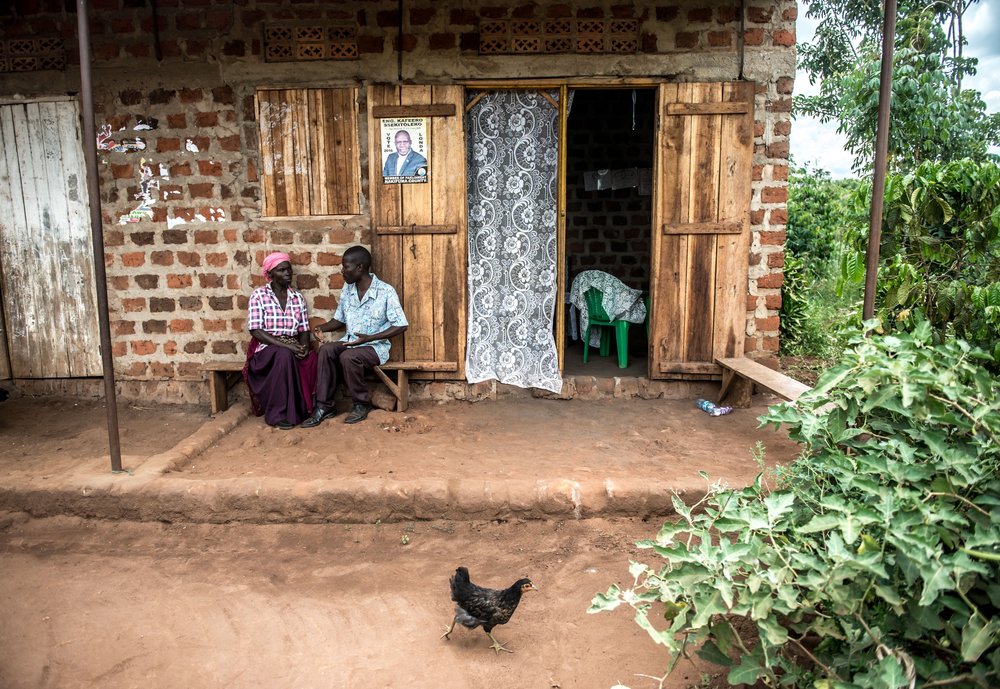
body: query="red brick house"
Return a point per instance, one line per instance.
(232, 129)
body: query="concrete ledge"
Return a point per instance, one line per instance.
(271, 500)
(209, 433)
(152, 491)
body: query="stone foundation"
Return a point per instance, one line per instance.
(574, 387)
(194, 392)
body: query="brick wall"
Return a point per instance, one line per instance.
(768, 214)
(179, 281)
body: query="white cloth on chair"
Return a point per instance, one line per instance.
(620, 301)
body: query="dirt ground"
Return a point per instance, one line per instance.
(120, 604)
(522, 438)
(127, 604)
(72, 434)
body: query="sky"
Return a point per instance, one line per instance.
(820, 145)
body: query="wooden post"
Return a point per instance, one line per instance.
(881, 153)
(97, 230)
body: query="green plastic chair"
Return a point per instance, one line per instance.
(598, 317)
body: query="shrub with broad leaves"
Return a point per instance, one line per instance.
(874, 559)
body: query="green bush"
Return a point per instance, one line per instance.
(875, 561)
(820, 213)
(819, 210)
(940, 251)
(814, 317)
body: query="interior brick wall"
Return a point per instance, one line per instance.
(179, 282)
(609, 229)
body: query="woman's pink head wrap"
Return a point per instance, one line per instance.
(272, 260)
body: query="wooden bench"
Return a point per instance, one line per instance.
(221, 376)
(739, 375)
(400, 388)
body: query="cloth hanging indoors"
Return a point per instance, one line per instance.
(512, 161)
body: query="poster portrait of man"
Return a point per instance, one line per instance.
(404, 150)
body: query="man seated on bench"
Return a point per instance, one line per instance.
(370, 312)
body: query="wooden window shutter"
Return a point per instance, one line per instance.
(309, 151)
(701, 235)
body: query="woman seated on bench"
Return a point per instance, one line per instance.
(281, 367)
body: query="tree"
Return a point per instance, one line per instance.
(940, 251)
(820, 214)
(933, 117)
(819, 209)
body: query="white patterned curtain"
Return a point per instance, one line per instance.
(512, 161)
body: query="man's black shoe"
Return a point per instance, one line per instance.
(358, 413)
(318, 416)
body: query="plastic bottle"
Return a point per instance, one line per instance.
(712, 409)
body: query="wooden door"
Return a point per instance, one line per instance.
(701, 227)
(46, 254)
(420, 229)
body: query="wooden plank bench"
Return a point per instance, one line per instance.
(221, 376)
(739, 375)
(400, 388)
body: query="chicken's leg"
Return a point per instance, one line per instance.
(497, 646)
(447, 630)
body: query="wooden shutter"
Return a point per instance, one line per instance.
(420, 229)
(46, 250)
(309, 151)
(701, 228)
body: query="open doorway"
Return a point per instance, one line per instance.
(610, 136)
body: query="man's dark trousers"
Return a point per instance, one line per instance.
(339, 362)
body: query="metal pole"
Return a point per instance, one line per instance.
(97, 232)
(881, 153)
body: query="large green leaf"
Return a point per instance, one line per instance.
(710, 651)
(978, 636)
(821, 522)
(747, 672)
(606, 601)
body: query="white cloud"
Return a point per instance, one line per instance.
(812, 142)
(820, 145)
(982, 26)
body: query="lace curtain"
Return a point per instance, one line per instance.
(512, 161)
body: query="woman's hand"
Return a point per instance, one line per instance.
(298, 349)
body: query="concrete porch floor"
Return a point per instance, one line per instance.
(503, 457)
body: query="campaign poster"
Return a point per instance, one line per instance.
(405, 150)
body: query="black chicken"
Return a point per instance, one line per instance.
(475, 605)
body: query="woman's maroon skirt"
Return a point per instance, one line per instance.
(282, 388)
